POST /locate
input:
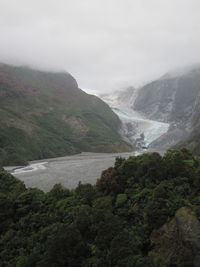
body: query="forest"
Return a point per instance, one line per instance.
(137, 214)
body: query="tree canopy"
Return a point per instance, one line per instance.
(109, 224)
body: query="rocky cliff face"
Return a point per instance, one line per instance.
(195, 116)
(170, 99)
(174, 98)
(155, 99)
(177, 243)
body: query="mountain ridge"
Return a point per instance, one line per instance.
(174, 99)
(45, 114)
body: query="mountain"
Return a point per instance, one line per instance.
(124, 97)
(136, 129)
(44, 114)
(192, 141)
(174, 98)
(170, 98)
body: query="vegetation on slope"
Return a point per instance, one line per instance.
(192, 142)
(110, 224)
(46, 115)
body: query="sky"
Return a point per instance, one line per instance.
(105, 44)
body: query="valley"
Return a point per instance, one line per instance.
(100, 133)
(137, 129)
(87, 167)
(87, 154)
(162, 114)
(139, 120)
(68, 171)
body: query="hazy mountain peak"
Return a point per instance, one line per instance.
(34, 68)
(178, 72)
(123, 97)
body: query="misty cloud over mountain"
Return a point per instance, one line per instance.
(106, 44)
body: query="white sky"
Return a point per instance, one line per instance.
(104, 44)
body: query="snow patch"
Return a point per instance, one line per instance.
(136, 129)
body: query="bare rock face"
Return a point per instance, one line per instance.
(195, 118)
(156, 99)
(174, 98)
(169, 139)
(177, 243)
(171, 98)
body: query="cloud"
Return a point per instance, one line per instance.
(105, 44)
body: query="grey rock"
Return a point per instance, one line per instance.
(177, 243)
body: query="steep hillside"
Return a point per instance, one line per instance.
(45, 114)
(171, 98)
(192, 141)
(174, 98)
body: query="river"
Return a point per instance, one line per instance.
(69, 170)
(87, 167)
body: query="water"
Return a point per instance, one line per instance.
(84, 167)
(87, 167)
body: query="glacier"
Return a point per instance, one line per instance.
(135, 128)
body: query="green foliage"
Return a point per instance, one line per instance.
(44, 115)
(10, 186)
(59, 192)
(64, 247)
(85, 193)
(109, 224)
(121, 200)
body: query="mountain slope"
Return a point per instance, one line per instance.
(171, 98)
(174, 98)
(45, 114)
(192, 142)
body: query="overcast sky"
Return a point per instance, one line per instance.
(104, 44)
